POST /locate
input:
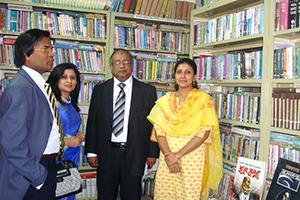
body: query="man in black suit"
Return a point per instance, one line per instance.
(120, 155)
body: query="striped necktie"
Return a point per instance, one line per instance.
(55, 112)
(118, 115)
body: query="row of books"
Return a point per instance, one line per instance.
(201, 3)
(89, 186)
(286, 15)
(285, 110)
(233, 25)
(7, 50)
(64, 23)
(161, 37)
(157, 8)
(154, 67)
(3, 84)
(283, 146)
(287, 63)
(236, 65)
(225, 188)
(87, 85)
(236, 142)
(84, 56)
(243, 107)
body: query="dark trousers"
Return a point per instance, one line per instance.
(47, 191)
(118, 175)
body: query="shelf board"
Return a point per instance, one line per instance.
(77, 38)
(143, 18)
(83, 103)
(56, 7)
(222, 6)
(4, 67)
(91, 72)
(234, 82)
(150, 50)
(229, 162)
(237, 123)
(287, 131)
(290, 35)
(64, 37)
(248, 42)
(293, 80)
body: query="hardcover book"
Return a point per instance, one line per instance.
(249, 179)
(286, 181)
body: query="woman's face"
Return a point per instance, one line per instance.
(184, 76)
(67, 83)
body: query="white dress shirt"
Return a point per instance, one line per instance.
(53, 141)
(128, 93)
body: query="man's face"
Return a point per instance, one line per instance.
(121, 66)
(41, 60)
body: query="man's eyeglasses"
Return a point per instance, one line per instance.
(124, 62)
(46, 50)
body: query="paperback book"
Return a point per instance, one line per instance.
(249, 179)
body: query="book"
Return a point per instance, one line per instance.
(286, 181)
(249, 179)
(252, 133)
(132, 6)
(126, 6)
(138, 6)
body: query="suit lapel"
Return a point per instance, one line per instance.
(136, 95)
(108, 95)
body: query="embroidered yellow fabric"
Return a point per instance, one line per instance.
(177, 121)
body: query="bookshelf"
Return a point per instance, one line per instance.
(232, 41)
(78, 36)
(156, 43)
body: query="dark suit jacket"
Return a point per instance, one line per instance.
(99, 126)
(25, 125)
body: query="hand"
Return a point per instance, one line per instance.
(175, 168)
(150, 162)
(72, 142)
(93, 161)
(171, 158)
(80, 136)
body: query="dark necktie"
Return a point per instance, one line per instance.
(55, 112)
(118, 115)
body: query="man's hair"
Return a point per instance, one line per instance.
(26, 42)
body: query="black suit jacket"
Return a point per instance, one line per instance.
(99, 126)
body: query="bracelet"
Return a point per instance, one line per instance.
(177, 156)
(166, 154)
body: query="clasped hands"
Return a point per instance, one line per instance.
(173, 162)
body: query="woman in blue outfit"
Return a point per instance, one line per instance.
(65, 83)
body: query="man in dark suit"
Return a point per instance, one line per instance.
(120, 154)
(29, 138)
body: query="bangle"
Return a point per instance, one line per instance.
(166, 154)
(177, 156)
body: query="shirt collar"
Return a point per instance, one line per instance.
(128, 82)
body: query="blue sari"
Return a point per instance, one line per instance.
(70, 121)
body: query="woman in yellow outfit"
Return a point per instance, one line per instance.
(187, 132)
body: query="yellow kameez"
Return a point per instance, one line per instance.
(202, 168)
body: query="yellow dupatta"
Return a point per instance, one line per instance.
(198, 110)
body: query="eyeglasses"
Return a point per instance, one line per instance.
(124, 62)
(46, 50)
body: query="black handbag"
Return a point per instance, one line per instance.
(68, 178)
